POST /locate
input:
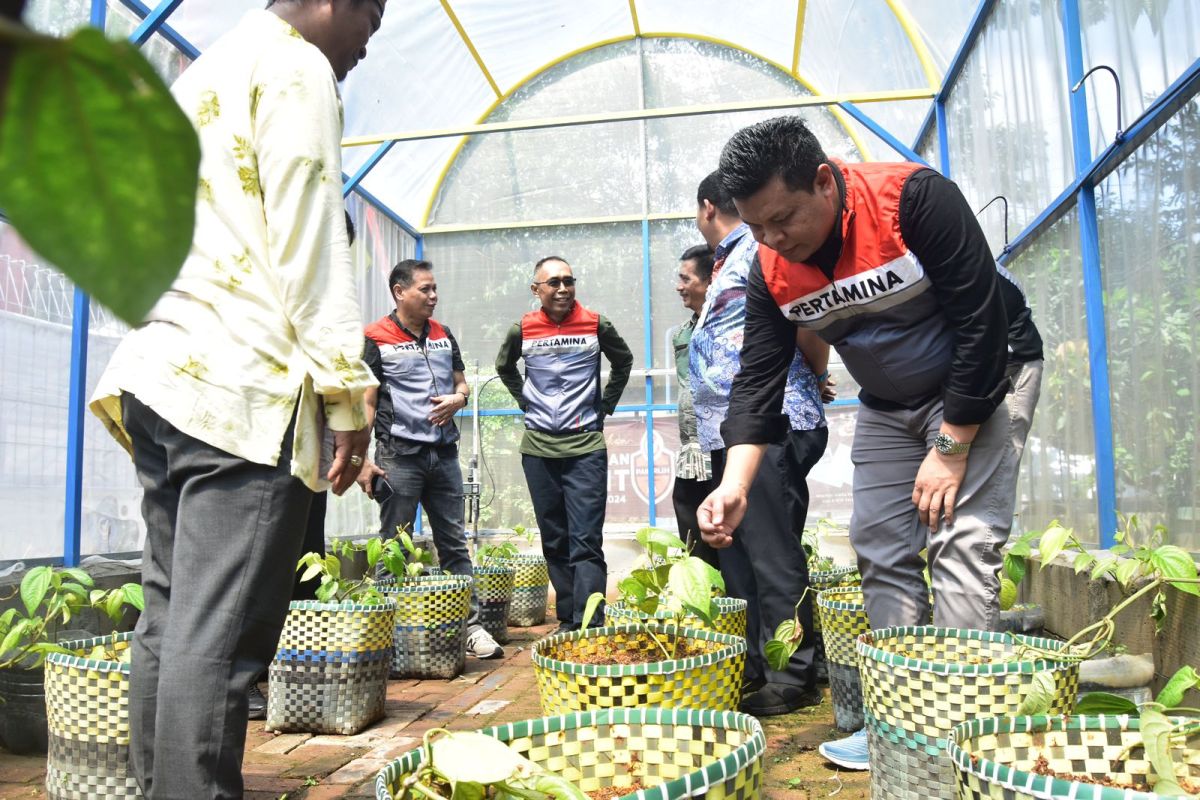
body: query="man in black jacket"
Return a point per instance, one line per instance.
(886, 263)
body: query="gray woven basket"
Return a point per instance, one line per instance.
(494, 593)
(87, 709)
(331, 667)
(430, 635)
(531, 586)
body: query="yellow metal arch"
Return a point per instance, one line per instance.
(839, 115)
(637, 27)
(909, 25)
(801, 10)
(462, 32)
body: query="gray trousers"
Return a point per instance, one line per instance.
(887, 534)
(222, 539)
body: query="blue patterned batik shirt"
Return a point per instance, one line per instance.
(715, 351)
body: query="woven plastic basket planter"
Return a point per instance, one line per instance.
(731, 618)
(994, 758)
(331, 668)
(709, 681)
(430, 636)
(678, 753)
(918, 683)
(87, 710)
(494, 592)
(531, 584)
(843, 620)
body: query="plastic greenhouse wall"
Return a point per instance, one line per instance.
(504, 200)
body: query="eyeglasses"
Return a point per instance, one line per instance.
(554, 283)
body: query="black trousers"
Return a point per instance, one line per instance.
(686, 496)
(222, 539)
(569, 498)
(765, 565)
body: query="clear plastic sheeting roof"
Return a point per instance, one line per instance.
(439, 64)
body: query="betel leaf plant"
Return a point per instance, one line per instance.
(88, 117)
(398, 556)
(786, 640)
(1143, 564)
(473, 766)
(489, 553)
(668, 579)
(51, 597)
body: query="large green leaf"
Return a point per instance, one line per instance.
(474, 757)
(99, 167)
(33, 588)
(658, 541)
(1172, 694)
(1014, 567)
(1105, 703)
(1175, 563)
(1156, 735)
(1040, 696)
(688, 582)
(1052, 542)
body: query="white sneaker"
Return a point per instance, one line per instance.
(481, 644)
(848, 753)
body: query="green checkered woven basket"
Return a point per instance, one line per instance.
(87, 709)
(494, 593)
(844, 619)
(531, 583)
(731, 618)
(995, 758)
(331, 667)
(430, 636)
(678, 753)
(712, 680)
(918, 683)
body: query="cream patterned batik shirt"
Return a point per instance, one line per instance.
(265, 312)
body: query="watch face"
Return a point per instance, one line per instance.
(944, 444)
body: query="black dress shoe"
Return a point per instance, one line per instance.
(774, 699)
(753, 685)
(564, 627)
(258, 703)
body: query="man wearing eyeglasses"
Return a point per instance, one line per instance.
(563, 451)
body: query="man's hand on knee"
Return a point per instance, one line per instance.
(936, 489)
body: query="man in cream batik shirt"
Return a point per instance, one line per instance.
(224, 392)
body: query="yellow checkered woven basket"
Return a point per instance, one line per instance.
(918, 683)
(994, 758)
(531, 585)
(494, 593)
(712, 680)
(678, 753)
(844, 619)
(430, 636)
(87, 710)
(731, 618)
(330, 670)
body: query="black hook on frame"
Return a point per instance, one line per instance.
(985, 207)
(1120, 135)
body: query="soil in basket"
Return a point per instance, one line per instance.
(686, 649)
(1042, 767)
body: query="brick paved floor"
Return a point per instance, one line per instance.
(307, 767)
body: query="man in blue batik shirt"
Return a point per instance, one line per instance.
(765, 565)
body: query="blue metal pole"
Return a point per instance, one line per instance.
(153, 21)
(166, 31)
(882, 132)
(939, 108)
(367, 166)
(420, 249)
(77, 397)
(648, 349)
(1093, 284)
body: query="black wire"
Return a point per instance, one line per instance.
(483, 462)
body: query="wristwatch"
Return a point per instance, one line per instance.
(947, 446)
